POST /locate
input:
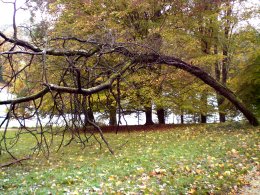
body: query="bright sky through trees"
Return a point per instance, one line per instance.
(6, 11)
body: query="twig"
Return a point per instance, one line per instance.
(14, 162)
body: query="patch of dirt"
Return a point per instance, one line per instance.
(253, 178)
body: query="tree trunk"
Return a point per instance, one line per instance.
(112, 116)
(222, 115)
(204, 100)
(203, 118)
(225, 61)
(148, 116)
(88, 112)
(88, 116)
(220, 98)
(182, 119)
(205, 46)
(161, 115)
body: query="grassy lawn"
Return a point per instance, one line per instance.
(184, 160)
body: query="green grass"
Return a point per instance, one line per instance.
(195, 159)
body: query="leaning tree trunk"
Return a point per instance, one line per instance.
(221, 89)
(194, 70)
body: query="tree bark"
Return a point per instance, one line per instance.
(226, 60)
(112, 116)
(206, 43)
(148, 116)
(87, 111)
(161, 115)
(203, 115)
(220, 98)
(90, 115)
(222, 115)
(203, 118)
(182, 119)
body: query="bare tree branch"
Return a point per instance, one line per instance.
(14, 162)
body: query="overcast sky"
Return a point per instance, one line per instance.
(6, 11)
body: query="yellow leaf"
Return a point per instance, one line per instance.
(199, 171)
(227, 173)
(187, 168)
(111, 178)
(221, 165)
(160, 171)
(234, 151)
(192, 191)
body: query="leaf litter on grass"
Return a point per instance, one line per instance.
(187, 160)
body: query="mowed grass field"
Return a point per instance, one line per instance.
(201, 159)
